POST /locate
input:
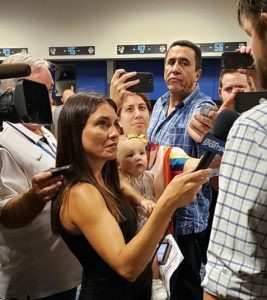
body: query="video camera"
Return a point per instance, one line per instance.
(29, 102)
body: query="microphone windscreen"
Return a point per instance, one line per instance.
(224, 122)
(14, 70)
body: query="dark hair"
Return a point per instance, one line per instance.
(146, 100)
(70, 151)
(232, 71)
(194, 47)
(252, 9)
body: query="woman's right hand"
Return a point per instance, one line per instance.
(183, 188)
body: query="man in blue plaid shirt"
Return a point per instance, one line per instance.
(168, 126)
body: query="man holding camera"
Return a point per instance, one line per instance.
(34, 264)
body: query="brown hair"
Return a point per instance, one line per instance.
(146, 100)
(232, 71)
(70, 151)
(194, 47)
(252, 9)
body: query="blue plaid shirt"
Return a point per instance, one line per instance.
(172, 131)
(237, 254)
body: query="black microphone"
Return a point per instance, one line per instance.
(214, 142)
(14, 70)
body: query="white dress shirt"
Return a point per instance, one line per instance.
(33, 261)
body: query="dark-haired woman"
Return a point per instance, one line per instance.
(91, 213)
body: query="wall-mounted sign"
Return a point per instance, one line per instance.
(220, 46)
(72, 50)
(142, 49)
(8, 51)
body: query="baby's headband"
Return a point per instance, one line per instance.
(141, 137)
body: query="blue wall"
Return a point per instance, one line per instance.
(92, 75)
(154, 66)
(208, 81)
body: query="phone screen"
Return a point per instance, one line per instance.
(162, 251)
(145, 85)
(237, 60)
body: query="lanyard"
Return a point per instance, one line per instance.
(50, 152)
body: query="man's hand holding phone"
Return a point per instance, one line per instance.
(60, 171)
(45, 186)
(127, 83)
(252, 72)
(237, 60)
(242, 60)
(202, 122)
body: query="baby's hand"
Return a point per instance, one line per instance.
(148, 205)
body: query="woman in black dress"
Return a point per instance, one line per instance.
(91, 212)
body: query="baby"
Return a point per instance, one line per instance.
(132, 160)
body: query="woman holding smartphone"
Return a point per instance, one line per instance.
(91, 213)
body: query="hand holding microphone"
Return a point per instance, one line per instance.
(214, 142)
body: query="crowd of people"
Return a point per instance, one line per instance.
(93, 233)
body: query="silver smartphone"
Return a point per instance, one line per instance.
(206, 108)
(163, 252)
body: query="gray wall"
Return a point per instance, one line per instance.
(38, 24)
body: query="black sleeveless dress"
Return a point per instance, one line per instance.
(99, 281)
